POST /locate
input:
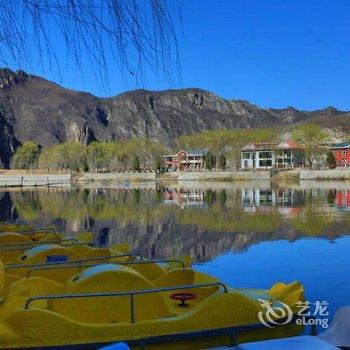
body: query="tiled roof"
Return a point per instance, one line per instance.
(271, 146)
(190, 152)
(259, 146)
(289, 144)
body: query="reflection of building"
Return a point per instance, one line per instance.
(264, 201)
(190, 160)
(342, 199)
(184, 198)
(341, 152)
(257, 197)
(287, 154)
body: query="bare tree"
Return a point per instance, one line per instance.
(95, 30)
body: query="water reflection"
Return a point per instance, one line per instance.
(179, 219)
(287, 202)
(341, 199)
(184, 198)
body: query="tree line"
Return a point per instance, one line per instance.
(143, 154)
(124, 155)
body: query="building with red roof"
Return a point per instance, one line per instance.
(185, 160)
(341, 152)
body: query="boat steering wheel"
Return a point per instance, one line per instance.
(183, 297)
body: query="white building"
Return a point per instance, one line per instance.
(258, 156)
(287, 154)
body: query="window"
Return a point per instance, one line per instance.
(265, 155)
(344, 152)
(246, 155)
(266, 197)
(265, 163)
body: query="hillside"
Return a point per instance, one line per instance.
(32, 108)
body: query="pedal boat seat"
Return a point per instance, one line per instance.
(8, 248)
(110, 309)
(46, 253)
(13, 238)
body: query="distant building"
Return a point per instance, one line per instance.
(263, 155)
(289, 154)
(341, 152)
(185, 160)
(258, 156)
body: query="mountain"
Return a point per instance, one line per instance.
(33, 108)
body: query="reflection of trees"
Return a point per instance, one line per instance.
(315, 216)
(141, 218)
(123, 206)
(232, 219)
(139, 207)
(28, 205)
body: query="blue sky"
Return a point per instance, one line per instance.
(273, 53)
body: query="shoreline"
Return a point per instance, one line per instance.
(22, 179)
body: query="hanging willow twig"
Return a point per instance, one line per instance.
(133, 33)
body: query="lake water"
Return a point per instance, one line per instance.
(246, 234)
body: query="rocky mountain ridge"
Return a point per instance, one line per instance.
(33, 108)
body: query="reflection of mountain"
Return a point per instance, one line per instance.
(7, 210)
(202, 223)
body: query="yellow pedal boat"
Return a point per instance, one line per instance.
(14, 227)
(110, 303)
(60, 262)
(26, 233)
(25, 229)
(13, 244)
